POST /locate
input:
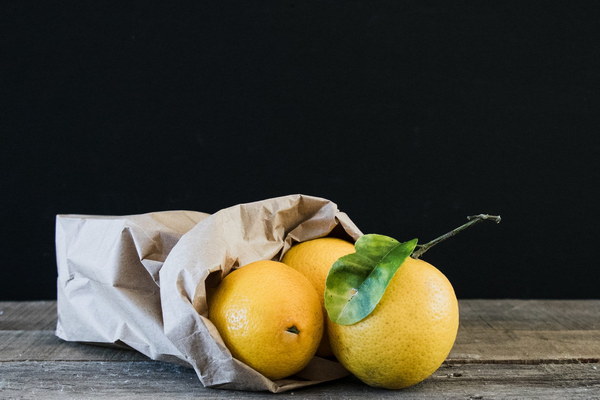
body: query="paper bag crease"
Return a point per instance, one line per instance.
(141, 280)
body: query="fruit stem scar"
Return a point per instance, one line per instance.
(473, 219)
(293, 329)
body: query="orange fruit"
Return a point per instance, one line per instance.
(409, 333)
(314, 259)
(269, 317)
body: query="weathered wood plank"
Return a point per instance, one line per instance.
(528, 331)
(471, 347)
(530, 314)
(45, 346)
(156, 380)
(518, 331)
(505, 349)
(27, 315)
(526, 346)
(497, 314)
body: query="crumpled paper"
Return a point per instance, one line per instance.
(141, 280)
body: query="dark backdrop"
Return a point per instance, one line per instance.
(410, 116)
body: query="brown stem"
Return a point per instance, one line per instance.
(473, 219)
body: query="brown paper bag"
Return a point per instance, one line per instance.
(141, 280)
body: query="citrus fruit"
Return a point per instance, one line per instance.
(409, 333)
(313, 259)
(269, 317)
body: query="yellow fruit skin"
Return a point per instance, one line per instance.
(254, 308)
(409, 333)
(314, 259)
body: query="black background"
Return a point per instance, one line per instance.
(409, 115)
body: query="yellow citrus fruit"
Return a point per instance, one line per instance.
(269, 317)
(314, 259)
(409, 333)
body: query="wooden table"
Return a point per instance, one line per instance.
(504, 349)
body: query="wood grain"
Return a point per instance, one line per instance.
(504, 349)
(526, 346)
(528, 331)
(491, 331)
(45, 346)
(156, 380)
(27, 315)
(530, 314)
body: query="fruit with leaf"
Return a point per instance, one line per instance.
(393, 318)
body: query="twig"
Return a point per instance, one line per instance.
(473, 219)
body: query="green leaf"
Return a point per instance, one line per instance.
(357, 281)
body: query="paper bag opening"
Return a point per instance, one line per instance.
(141, 280)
